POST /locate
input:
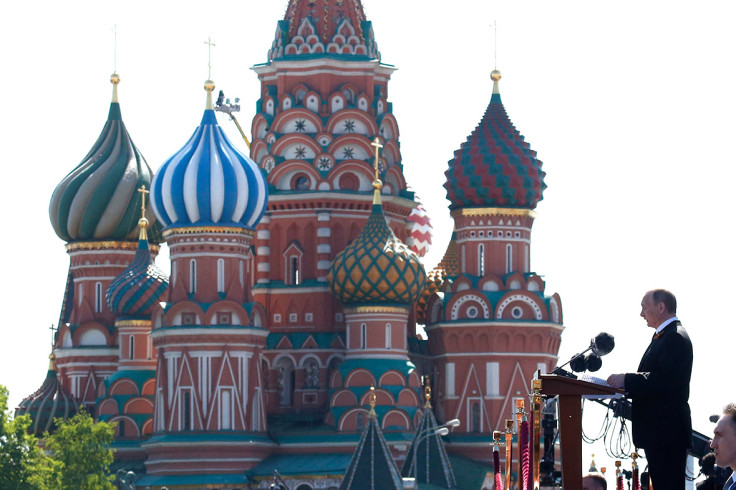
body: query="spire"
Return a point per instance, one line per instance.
(372, 465)
(432, 463)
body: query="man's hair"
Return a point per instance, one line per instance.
(664, 296)
(599, 478)
(730, 410)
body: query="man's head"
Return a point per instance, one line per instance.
(594, 481)
(724, 438)
(657, 306)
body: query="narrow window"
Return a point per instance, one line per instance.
(450, 378)
(187, 411)
(475, 417)
(192, 276)
(98, 297)
(492, 378)
(121, 428)
(131, 347)
(388, 335)
(481, 260)
(225, 410)
(294, 270)
(509, 257)
(363, 336)
(220, 275)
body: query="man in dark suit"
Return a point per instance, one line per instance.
(659, 392)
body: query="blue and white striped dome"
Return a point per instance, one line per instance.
(209, 182)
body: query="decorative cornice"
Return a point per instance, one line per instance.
(494, 212)
(196, 230)
(132, 323)
(107, 245)
(376, 309)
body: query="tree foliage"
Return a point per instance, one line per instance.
(81, 448)
(77, 456)
(23, 465)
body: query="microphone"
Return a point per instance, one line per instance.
(602, 344)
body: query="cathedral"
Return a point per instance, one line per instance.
(284, 345)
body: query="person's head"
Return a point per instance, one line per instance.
(657, 306)
(724, 438)
(594, 481)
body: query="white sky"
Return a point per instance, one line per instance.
(630, 106)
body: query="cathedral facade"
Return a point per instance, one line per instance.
(288, 324)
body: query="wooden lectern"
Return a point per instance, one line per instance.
(570, 392)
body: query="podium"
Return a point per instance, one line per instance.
(570, 392)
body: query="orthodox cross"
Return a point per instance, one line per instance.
(209, 44)
(143, 192)
(377, 145)
(495, 43)
(115, 48)
(53, 335)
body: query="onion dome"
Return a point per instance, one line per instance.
(495, 167)
(49, 402)
(335, 28)
(139, 287)
(420, 231)
(376, 267)
(209, 182)
(448, 267)
(97, 200)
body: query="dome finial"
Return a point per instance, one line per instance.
(115, 79)
(377, 184)
(143, 222)
(209, 85)
(372, 402)
(495, 74)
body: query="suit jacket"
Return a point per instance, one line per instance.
(660, 414)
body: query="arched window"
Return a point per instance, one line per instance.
(192, 276)
(98, 297)
(220, 275)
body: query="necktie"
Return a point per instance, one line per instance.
(655, 337)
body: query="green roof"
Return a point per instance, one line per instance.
(303, 464)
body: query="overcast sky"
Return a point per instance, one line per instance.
(630, 105)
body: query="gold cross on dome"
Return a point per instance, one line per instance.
(143, 192)
(209, 44)
(377, 145)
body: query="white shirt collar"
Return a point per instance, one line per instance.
(665, 323)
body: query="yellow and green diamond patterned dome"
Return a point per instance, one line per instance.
(377, 267)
